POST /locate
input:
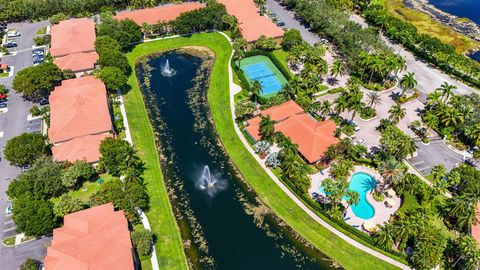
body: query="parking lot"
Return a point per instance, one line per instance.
(13, 122)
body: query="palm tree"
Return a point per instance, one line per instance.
(341, 104)
(408, 82)
(446, 90)
(375, 66)
(355, 107)
(467, 248)
(373, 99)
(256, 89)
(338, 68)
(463, 209)
(397, 113)
(290, 165)
(326, 108)
(402, 230)
(473, 132)
(352, 198)
(267, 127)
(391, 172)
(385, 236)
(434, 98)
(430, 119)
(450, 117)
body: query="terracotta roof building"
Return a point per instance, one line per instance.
(311, 136)
(78, 109)
(252, 24)
(476, 226)
(95, 239)
(74, 39)
(163, 13)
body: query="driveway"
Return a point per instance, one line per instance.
(437, 152)
(13, 123)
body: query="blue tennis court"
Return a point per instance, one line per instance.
(263, 74)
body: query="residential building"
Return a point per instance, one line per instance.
(312, 137)
(251, 23)
(79, 119)
(163, 13)
(95, 239)
(73, 45)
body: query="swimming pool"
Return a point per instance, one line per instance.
(362, 183)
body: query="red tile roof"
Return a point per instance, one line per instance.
(252, 25)
(77, 108)
(93, 239)
(476, 226)
(73, 36)
(312, 137)
(164, 13)
(85, 148)
(77, 62)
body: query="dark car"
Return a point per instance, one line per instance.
(3, 100)
(10, 44)
(44, 102)
(3, 105)
(280, 23)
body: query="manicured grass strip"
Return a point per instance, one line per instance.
(218, 96)
(282, 57)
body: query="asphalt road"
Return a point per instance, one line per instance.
(437, 152)
(13, 123)
(428, 78)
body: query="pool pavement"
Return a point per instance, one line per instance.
(382, 213)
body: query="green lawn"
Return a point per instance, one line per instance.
(41, 31)
(282, 56)
(163, 224)
(3, 74)
(9, 241)
(87, 189)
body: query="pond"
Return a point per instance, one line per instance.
(223, 224)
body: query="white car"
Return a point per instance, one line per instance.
(8, 210)
(13, 34)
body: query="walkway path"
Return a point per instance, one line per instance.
(128, 138)
(233, 89)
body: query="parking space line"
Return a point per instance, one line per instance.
(9, 222)
(2, 134)
(418, 162)
(10, 229)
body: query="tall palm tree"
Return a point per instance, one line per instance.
(375, 66)
(463, 209)
(391, 172)
(446, 90)
(473, 133)
(373, 99)
(434, 98)
(352, 198)
(385, 236)
(397, 113)
(290, 165)
(430, 119)
(338, 68)
(341, 103)
(408, 82)
(256, 89)
(450, 116)
(266, 127)
(326, 108)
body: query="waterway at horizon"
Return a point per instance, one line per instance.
(461, 8)
(228, 228)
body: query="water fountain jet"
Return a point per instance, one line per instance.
(167, 71)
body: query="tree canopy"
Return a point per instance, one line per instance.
(25, 149)
(32, 216)
(37, 81)
(112, 77)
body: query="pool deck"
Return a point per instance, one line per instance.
(382, 213)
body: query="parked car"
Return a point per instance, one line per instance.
(3, 100)
(2, 96)
(9, 210)
(3, 105)
(43, 102)
(280, 23)
(13, 34)
(10, 44)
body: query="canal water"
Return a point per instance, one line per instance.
(223, 224)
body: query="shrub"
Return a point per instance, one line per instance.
(142, 240)
(57, 18)
(265, 44)
(76, 174)
(112, 77)
(273, 160)
(291, 38)
(117, 156)
(66, 204)
(30, 264)
(42, 41)
(368, 113)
